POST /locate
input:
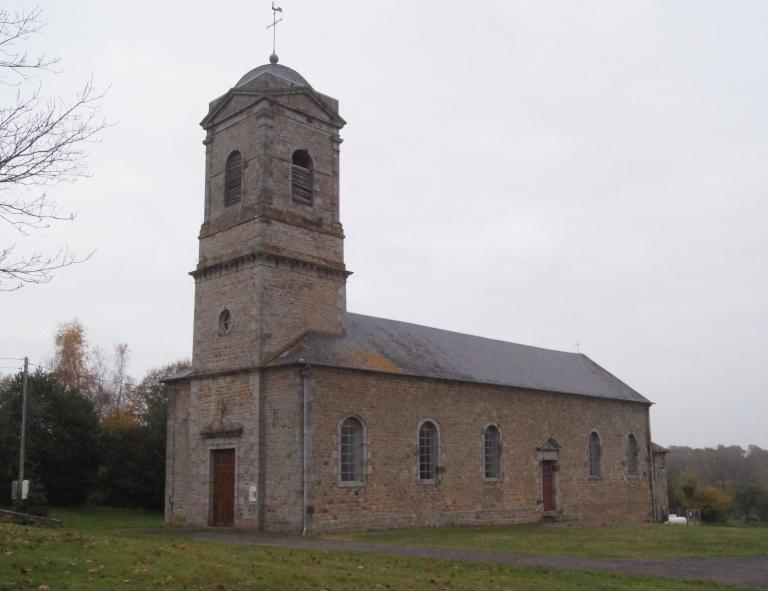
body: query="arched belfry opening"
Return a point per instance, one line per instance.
(302, 177)
(233, 179)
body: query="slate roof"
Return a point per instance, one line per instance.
(278, 70)
(389, 346)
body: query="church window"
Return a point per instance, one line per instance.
(594, 453)
(352, 451)
(233, 179)
(302, 178)
(492, 453)
(632, 455)
(225, 321)
(428, 451)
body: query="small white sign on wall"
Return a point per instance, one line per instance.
(252, 493)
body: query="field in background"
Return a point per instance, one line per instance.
(610, 541)
(102, 549)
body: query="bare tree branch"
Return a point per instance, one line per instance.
(34, 269)
(15, 27)
(42, 143)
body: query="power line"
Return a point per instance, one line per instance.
(125, 382)
(86, 377)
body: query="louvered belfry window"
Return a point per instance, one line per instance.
(632, 455)
(352, 450)
(492, 453)
(233, 179)
(594, 455)
(428, 448)
(302, 177)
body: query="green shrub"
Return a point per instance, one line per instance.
(715, 504)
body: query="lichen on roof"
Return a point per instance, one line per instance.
(389, 346)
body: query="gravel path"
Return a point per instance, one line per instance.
(745, 571)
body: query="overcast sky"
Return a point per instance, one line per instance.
(548, 173)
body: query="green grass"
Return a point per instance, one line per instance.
(620, 541)
(102, 549)
(104, 519)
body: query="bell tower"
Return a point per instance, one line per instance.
(271, 260)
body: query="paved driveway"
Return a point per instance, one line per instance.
(745, 571)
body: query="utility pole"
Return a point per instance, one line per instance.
(23, 445)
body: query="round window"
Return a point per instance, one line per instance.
(225, 321)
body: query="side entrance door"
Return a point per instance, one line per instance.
(223, 493)
(548, 485)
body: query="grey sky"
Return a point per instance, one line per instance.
(540, 172)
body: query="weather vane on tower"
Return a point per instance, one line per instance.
(275, 9)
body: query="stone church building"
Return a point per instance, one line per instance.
(299, 416)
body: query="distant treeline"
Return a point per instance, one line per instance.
(724, 482)
(94, 435)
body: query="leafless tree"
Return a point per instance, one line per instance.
(103, 378)
(42, 143)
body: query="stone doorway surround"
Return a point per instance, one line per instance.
(548, 460)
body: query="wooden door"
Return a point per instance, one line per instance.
(223, 493)
(548, 485)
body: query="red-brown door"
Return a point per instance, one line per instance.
(223, 513)
(548, 485)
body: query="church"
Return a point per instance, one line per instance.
(299, 416)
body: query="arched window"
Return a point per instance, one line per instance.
(233, 179)
(632, 454)
(428, 451)
(492, 453)
(594, 455)
(302, 177)
(352, 450)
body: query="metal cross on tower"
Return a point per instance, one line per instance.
(275, 9)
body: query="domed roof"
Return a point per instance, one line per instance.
(276, 70)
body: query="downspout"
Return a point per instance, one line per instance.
(172, 420)
(653, 467)
(305, 442)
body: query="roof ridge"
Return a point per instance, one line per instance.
(465, 334)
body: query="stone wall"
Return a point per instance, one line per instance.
(283, 475)
(267, 135)
(204, 415)
(392, 408)
(276, 264)
(272, 302)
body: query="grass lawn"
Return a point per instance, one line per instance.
(619, 541)
(100, 549)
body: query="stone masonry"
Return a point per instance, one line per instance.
(277, 266)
